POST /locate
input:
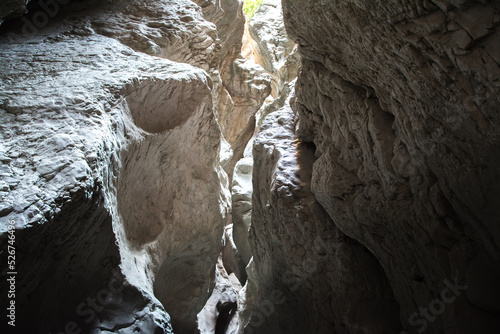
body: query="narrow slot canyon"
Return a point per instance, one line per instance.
(250, 166)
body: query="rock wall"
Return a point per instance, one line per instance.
(400, 101)
(271, 48)
(12, 8)
(266, 44)
(373, 205)
(61, 147)
(311, 278)
(240, 86)
(110, 166)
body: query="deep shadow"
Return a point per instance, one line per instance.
(226, 312)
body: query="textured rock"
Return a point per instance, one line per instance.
(241, 192)
(246, 87)
(175, 30)
(401, 102)
(178, 188)
(61, 146)
(232, 257)
(110, 154)
(270, 46)
(12, 8)
(372, 206)
(311, 278)
(227, 15)
(240, 86)
(225, 292)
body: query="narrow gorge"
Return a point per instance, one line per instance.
(257, 166)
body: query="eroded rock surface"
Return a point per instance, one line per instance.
(224, 298)
(266, 44)
(246, 86)
(110, 169)
(401, 101)
(374, 203)
(227, 15)
(241, 85)
(175, 30)
(241, 200)
(310, 277)
(271, 48)
(61, 148)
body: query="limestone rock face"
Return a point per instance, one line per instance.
(227, 15)
(225, 291)
(110, 172)
(61, 151)
(271, 47)
(241, 86)
(311, 278)
(401, 101)
(246, 86)
(177, 185)
(268, 46)
(241, 192)
(175, 30)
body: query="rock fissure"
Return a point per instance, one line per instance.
(168, 167)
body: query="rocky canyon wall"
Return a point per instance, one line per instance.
(141, 172)
(397, 104)
(111, 168)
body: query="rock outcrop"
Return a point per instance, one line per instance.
(110, 168)
(271, 48)
(367, 203)
(311, 278)
(266, 44)
(401, 103)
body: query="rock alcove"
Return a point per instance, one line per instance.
(321, 167)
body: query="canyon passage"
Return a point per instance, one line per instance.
(257, 166)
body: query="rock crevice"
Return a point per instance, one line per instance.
(161, 179)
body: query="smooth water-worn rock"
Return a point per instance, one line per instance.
(241, 192)
(61, 147)
(246, 86)
(110, 170)
(401, 101)
(223, 298)
(374, 203)
(241, 86)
